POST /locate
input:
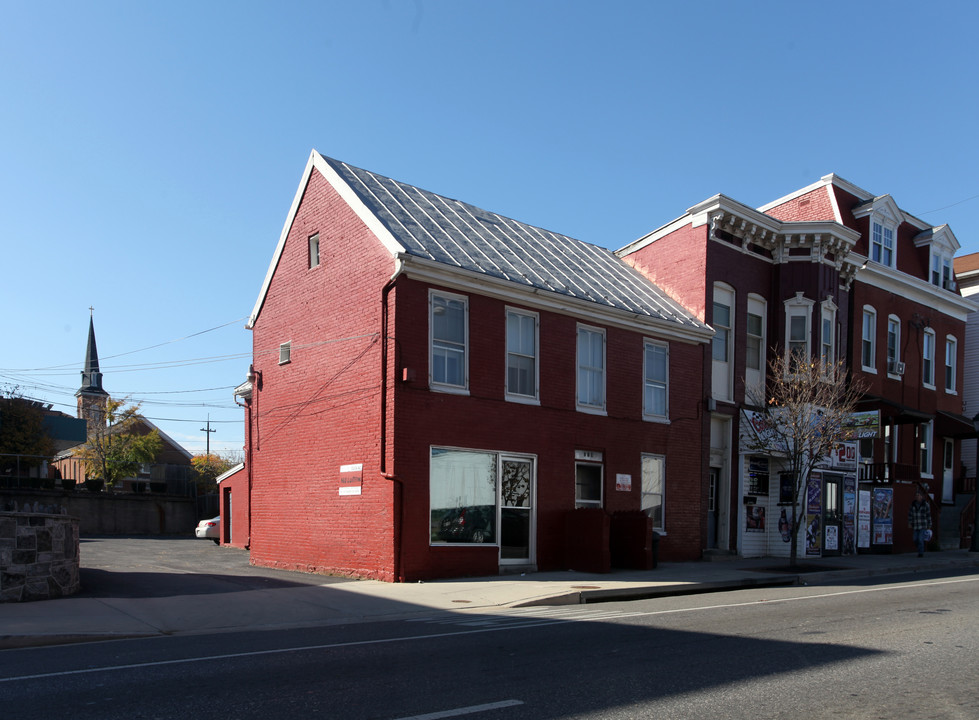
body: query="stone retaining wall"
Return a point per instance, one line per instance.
(38, 556)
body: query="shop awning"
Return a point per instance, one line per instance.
(894, 412)
(953, 425)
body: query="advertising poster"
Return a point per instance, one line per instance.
(832, 537)
(849, 514)
(814, 508)
(754, 518)
(863, 519)
(883, 516)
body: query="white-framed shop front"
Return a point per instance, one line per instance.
(827, 506)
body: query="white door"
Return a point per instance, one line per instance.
(948, 481)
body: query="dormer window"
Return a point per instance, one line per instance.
(884, 218)
(882, 245)
(941, 270)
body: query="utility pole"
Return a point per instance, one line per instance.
(208, 436)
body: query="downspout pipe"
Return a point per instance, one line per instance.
(248, 467)
(398, 510)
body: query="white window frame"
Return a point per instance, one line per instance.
(441, 386)
(925, 445)
(828, 318)
(650, 493)
(951, 364)
(511, 394)
(879, 247)
(723, 369)
(893, 323)
(755, 377)
(314, 250)
(590, 463)
(285, 353)
(664, 383)
(590, 332)
(868, 339)
(798, 306)
(941, 270)
(928, 371)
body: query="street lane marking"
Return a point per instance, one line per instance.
(465, 710)
(528, 623)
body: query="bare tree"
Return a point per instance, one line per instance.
(806, 412)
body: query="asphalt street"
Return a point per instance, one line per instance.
(902, 646)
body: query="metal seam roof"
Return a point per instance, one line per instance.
(461, 235)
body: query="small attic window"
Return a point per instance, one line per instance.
(314, 250)
(285, 353)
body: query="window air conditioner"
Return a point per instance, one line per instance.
(895, 368)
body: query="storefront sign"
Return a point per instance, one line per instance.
(351, 479)
(762, 434)
(864, 425)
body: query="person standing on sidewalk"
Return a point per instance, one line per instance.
(919, 520)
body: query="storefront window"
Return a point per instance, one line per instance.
(463, 496)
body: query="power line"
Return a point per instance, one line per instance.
(928, 212)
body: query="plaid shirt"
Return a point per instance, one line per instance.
(919, 516)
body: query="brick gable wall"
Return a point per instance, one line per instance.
(321, 410)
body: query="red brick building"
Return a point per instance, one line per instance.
(842, 275)
(441, 391)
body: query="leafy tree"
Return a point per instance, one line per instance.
(116, 448)
(806, 413)
(22, 430)
(207, 468)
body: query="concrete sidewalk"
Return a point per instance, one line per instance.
(291, 600)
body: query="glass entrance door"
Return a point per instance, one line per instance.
(517, 511)
(832, 513)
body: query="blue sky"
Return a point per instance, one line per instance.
(150, 152)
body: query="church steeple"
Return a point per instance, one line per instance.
(91, 397)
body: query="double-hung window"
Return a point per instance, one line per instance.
(449, 327)
(653, 488)
(754, 361)
(798, 330)
(722, 346)
(591, 368)
(894, 345)
(868, 342)
(655, 399)
(521, 355)
(928, 359)
(827, 336)
(882, 245)
(924, 441)
(951, 350)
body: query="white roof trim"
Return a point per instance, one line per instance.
(229, 472)
(317, 162)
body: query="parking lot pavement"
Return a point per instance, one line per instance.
(143, 567)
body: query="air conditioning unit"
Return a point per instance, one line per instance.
(895, 368)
